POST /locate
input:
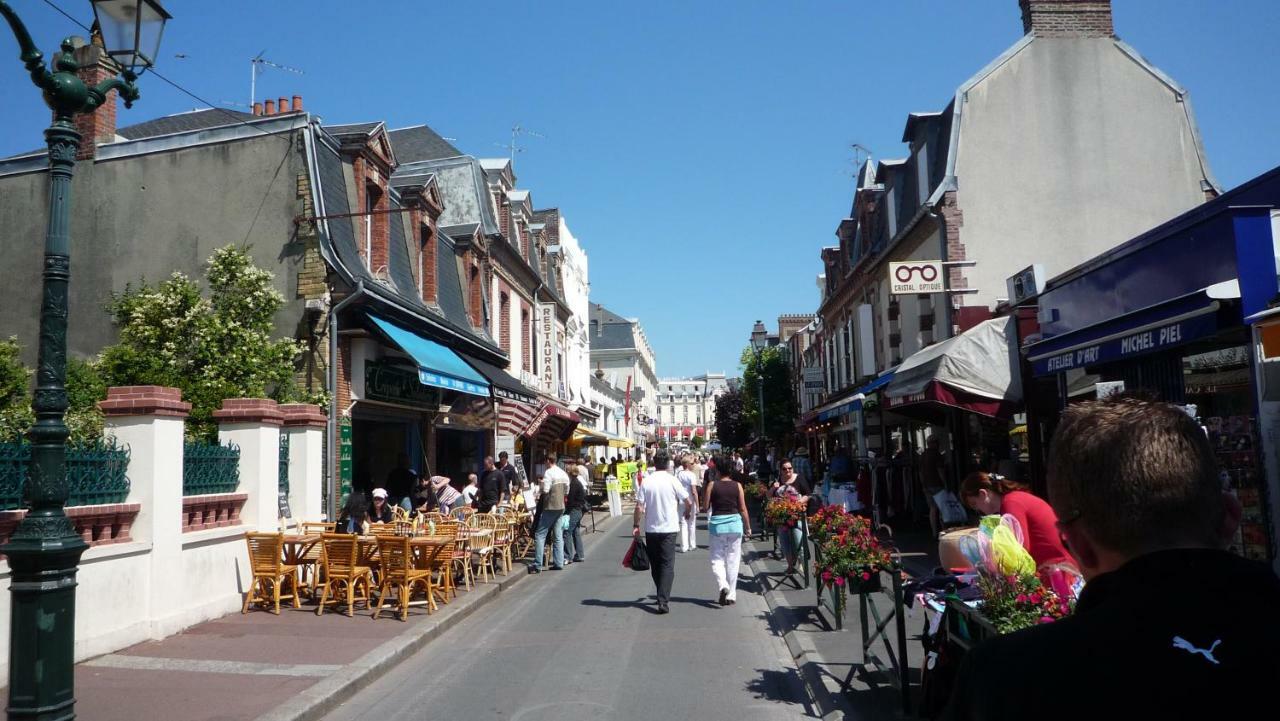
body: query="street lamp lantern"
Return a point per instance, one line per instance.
(131, 31)
(44, 550)
(759, 337)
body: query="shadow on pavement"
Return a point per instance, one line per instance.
(778, 686)
(641, 603)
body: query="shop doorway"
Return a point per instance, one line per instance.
(459, 452)
(379, 448)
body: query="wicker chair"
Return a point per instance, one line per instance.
(455, 553)
(463, 514)
(400, 573)
(483, 555)
(399, 514)
(269, 572)
(342, 570)
(504, 538)
(307, 528)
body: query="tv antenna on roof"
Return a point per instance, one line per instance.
(861, 154)
(257, 65)
(514, 147)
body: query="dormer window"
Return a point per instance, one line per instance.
(372, 225)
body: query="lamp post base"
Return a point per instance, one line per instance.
(43, 555)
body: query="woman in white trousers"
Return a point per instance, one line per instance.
(689, 522)
(726, 506)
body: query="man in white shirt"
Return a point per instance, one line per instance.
(554, 487)
(690, 480)
(658, 500)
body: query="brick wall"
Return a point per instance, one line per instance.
(1067, 18)
(475, 295)
(504, 215)
(313, 284)
(100, 125)
(367, 179)
(954, 219)
(428, 250)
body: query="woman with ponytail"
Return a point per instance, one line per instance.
(993, 494)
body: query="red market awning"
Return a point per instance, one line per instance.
(514, 417)
(973, 371)
(940, 393)
(560, 421)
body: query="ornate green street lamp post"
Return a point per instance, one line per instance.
(45, 549)
(759, 341)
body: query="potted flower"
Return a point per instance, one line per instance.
(848, 558)
(786, 512)
(1014, 602)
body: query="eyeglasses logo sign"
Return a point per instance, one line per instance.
(920, 276)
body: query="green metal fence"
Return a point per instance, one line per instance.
(210, 468)
(97, 472)
(284, 464)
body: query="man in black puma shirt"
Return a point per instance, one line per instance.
(1169, 625)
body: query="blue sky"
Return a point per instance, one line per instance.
(700, 151)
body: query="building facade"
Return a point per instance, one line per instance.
(419, 266)
(1063, 146)
(687, 407)
(621, 351)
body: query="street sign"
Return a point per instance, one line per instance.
(916, 276)
(815, 379)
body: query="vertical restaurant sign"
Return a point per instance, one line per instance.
(546, 346)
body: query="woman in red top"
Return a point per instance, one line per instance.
(991, 494)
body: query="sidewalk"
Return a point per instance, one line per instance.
(824, 655)
(291, 667)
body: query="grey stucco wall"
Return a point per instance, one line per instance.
(1067, 150)
(143, 217)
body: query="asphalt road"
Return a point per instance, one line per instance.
(584, 643)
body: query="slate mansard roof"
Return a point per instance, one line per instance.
(610, 331)
(449, 311)
(420, 142)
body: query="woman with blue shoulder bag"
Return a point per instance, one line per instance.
(726, 506)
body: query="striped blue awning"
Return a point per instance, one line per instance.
(438, 366)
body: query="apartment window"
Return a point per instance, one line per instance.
(372, 199)
(922, 170)
(890, 210)
(504, 322)
(526, 329)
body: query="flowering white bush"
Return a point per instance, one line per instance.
(212, 348)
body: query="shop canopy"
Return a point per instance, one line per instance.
(1176, 322)
(973, 371)
(505, 386)
(852, 401)
(438, 366)
(588, 437)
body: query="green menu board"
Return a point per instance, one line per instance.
(344, 457)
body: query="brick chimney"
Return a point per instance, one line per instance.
(282, 106)
(100, 125)
(269, 107)
(257, 108)
(1067, 18)
(297, 103)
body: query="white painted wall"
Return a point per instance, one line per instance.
(164, 581)
(577, 291)
(1066, 150)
